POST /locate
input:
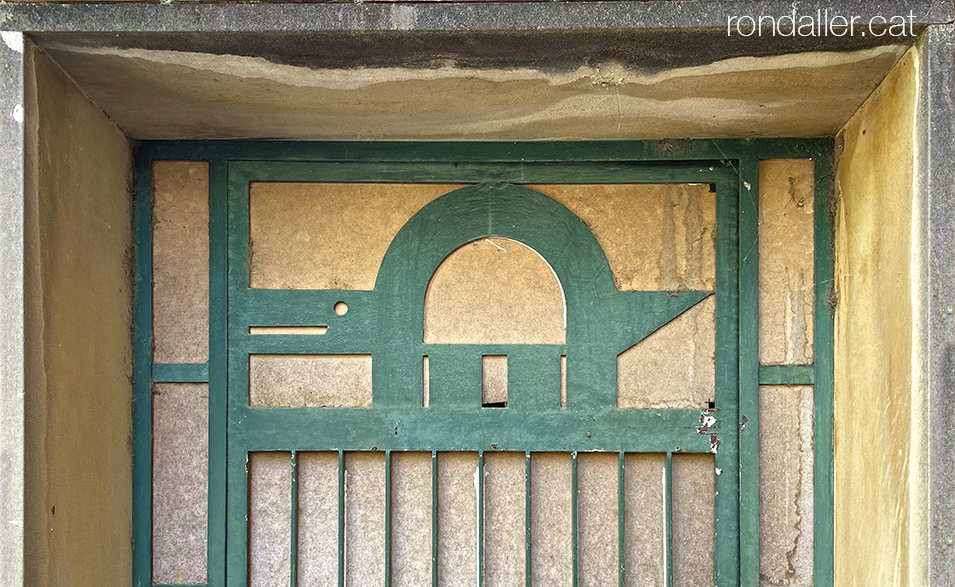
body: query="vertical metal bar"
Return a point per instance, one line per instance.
(237, 563)
(218, 369)
(725, 437)
(527, 519)
(621, 521)
(668, 519)
(387, 518)
(480, 520)
(573, 514)
(823, 441)
(748, 371)
(341, 518)
(234, 377)
(142, 364)
(434, 519)
(293, 555)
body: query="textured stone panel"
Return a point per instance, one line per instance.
(786, 486)
(365, 519)
(494, 291)
(694, 520)
(551, 526)
(655, 236)
(410, 519)
(317, 519)
(786, 270)
(180, 482)
(327, 235)
(270, 518)
(457, 518)
(504, 519)
(597, 523)
(675, 367)
(180, 194)
(310, 381)
(645, 541)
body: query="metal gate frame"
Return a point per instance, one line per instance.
(732, 165)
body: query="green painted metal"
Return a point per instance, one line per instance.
(480, 519)
(574, 518)
(527, 519)
(787, 374)
(610, 322)
(387, 518)
(486, 152)
(142, 382)
(354, 429)
(293, 553)
(621, 521)
(824, 374)
(236, 561)
(218, 371)
(668, 516)
(724, 434)
(434, 519)
(180, 373)
(341, 518)
(748, 370)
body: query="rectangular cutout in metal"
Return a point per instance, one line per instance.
(426, 377)
(494, 381)
(563, 382)
(310, 330)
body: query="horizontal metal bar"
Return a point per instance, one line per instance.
(180, 373)
(612, 172)
(488, 429)
(494, 151)
(787, 374)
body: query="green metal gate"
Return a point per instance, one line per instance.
(387, 323)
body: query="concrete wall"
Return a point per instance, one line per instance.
(878, 469)
(471, 85)
(78, 335)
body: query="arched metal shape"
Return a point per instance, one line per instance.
(601, 321)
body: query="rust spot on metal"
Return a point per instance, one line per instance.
(714, 442)
(742, 423)
(706, 422)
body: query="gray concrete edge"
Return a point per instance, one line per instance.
(450, 16)
(11, 308)
(939, 305)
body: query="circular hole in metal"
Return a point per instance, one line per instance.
(341, 308)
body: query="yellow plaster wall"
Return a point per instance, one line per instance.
(876, 525)
(78, 522)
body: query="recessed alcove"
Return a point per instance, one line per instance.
(89, 97)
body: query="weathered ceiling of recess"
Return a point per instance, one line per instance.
(518, 85)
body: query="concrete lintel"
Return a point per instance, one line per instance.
(474, 16)
(938, 306)
(11, 307)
